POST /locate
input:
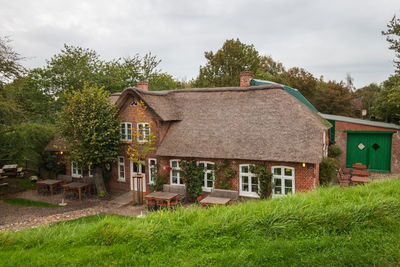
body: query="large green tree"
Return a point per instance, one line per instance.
(10, 66)
(386, 106)
(368, 95)
(224, 66)
(89, 123)
(393, 37)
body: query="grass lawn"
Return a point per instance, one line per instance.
(28, 202)
(358, 226)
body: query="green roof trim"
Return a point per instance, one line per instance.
(370, 132)
(293, 92)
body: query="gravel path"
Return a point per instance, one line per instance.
(21, 217)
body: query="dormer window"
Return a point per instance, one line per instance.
(126, 131)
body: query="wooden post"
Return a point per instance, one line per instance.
(139, 186)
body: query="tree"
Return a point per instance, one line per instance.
(368, 95)
(334, 98)
(393, 37)
(302, 80)
(88, 122)
(10, 66)
(223, 67)
(163, 81)
(387, 103)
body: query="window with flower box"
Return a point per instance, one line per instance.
(175, 172)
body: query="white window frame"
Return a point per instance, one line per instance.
(283, 177)
(250, 176)
(324, 149)
(206, 171)
(76, 171)
(145, 136)
(152, 167)
(121, 164)
(179, 178)
(90, 174)
(126, 131)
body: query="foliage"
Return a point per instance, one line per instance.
(163, 81)
(327, 170)
(159, 181)
(15, 185)
(264, 177)
(25, 141)
(28, 202)
(368, 95)
(334, 151)
(224, 174)
(356, 226)
(302, 80)
(387, 103)
(393, 37)
(138, 150)
(223, 67)
(193, 176)
(10, 66)
(334, 98)
(102, 194)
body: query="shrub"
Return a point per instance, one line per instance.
(159, 181)
(327, 170)
(265, 179)
(193, 176)
(223, 175)
(334, 151)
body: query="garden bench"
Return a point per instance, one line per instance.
(220, 197)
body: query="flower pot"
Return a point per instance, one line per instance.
(199, 198)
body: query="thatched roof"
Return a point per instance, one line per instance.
(255, 123)
(57, 144)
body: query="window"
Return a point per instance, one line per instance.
(152, 170)
(249, 185)
(175, 172)
(76, 171)
(90, 174)
(209, 176)
(121, 169)
(283, 180)
(324, 148)
(143, 130)
(126, 131)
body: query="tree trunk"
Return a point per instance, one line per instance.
(98, 180)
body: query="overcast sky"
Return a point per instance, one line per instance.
(329, 38)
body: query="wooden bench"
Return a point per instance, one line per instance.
(220, 197)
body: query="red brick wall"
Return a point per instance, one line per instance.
(341, 140)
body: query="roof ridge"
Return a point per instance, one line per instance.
(205, 90)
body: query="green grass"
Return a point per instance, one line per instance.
(28, 202)
(358, 226)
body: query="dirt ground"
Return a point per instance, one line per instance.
(13, 217)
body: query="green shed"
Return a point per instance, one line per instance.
(371, 148)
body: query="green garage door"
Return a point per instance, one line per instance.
(373, 149)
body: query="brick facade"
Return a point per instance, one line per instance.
(341, 140)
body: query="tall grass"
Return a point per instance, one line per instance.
(333, 226)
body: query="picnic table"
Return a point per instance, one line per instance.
(161, 196)
(76, 186)
(50, 183)
(10, 167)
(211, 201)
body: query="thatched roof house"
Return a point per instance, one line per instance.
(256, 123)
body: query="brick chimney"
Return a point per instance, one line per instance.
(245, 77)
(143, 85)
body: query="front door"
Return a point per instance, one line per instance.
(138, 169)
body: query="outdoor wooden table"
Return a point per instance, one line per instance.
(51, 183)
(10, 167)
(167, 196)
(210, 201)
(78, 187)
